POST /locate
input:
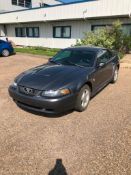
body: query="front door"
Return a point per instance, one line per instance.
(104, 69)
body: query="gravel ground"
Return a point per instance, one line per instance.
(95, 142)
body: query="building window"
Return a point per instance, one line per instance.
(99, 27)
(14, 2)
(62, 32)
(27, 32)
(57, 32)
(20, 32)
(36, 31)
(28, 3)
(126, 28)
(32, 31)
(22, 3)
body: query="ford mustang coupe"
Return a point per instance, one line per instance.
(66, 81)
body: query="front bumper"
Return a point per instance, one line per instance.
(41, 104)
(12, 51)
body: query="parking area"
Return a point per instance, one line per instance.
(95, 142)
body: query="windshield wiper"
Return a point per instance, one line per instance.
(52, 61)
(74, 64)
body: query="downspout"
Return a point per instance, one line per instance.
(5, 30)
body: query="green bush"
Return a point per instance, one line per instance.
(126, 45)
(99, 38)
(110, 37)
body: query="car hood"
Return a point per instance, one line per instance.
(50, 76)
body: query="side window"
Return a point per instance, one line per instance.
(104, 56)
(109, 54)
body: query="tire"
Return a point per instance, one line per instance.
(115, 75)
(5, 53)
(83, 99)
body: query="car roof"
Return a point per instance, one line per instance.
(88, 48)
(2, 40)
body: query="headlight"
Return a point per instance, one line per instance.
(56, 93)
(14, 84)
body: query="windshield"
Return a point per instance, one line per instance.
(82, 58)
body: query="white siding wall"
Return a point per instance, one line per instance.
(92, 9)
(46, 32)
(2, 34)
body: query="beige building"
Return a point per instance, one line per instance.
(59, 26)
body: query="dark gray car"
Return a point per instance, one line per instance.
(67, 81)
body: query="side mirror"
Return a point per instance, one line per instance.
(101, 64)
(50, 59)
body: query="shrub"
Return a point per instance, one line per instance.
(126, 44)
(109, 37)
(99, 38)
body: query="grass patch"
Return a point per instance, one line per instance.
(38, 51)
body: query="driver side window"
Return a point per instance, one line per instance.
(104, 56)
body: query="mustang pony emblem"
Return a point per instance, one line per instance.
(28, 90)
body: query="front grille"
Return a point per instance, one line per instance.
(28, 91)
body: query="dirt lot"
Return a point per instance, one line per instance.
(95, 142)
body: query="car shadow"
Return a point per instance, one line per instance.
(42, 114)
(58, 169)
